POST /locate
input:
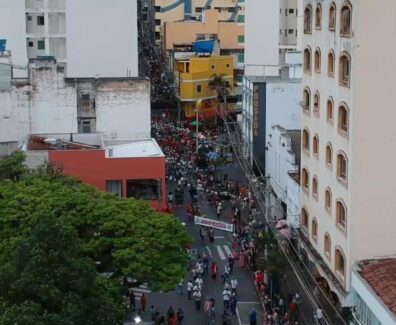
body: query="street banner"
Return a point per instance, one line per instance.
(214, 224)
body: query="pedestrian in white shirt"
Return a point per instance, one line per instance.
(234, 285)
(189, 289)
(226, 298)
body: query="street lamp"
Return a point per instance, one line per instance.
(197, 107)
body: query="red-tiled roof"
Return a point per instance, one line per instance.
(381, 275)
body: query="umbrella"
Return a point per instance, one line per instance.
(195, 123)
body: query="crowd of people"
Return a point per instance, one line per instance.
(196, 172)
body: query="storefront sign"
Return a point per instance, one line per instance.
(255, 111)
(214, 224)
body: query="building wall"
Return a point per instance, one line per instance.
(261, 48)
(293, 202)
(13, 29)
(123, 109)
(373, 154)
(187, 31)
(99, 43)
(94, 169)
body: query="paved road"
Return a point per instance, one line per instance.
(219, 252)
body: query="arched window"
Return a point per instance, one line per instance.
(339, 262)
(305, 179)
(329, 155)
(341, 214)
(330, 63)
(306, 100)
(327, 245)
(307, 60)
(346, 20)
(316, 103)
(342, 167)
(304, 218)
(308, 20)
(345, 69)
(317, 60)
(332, 16)
(318, 17)
(305, 140)
(314, 230)
(329, 110)
(315, 185)
(328, 200)
(343, 118)
(315, 146)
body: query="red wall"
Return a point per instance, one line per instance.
(91, 167)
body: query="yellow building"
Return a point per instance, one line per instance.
(192, 77)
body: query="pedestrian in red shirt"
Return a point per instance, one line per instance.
(143, 302)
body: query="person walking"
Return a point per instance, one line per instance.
(226, 298)
(189, 289)
(152, 312)
(212, 315)
(143, 302)
(180, 316)
(132, 301)
(197, 298)
(233, 304)
(213, 270)
(170, 314)
(253, 317)
(234, 285)
(180, 287)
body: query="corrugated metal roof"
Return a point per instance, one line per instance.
(295, 137)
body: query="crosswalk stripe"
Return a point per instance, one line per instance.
(227, 250)
(209, 251)
(221, 254)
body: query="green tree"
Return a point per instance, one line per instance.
(54, 230)
(13, 167)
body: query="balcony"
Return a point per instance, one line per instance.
(304, 240)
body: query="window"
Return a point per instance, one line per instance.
(305, 179)
(315, 146)
(308, 20)
(317, 60)
(340, 262)
(329, 110)
(212, 67)
(318, 17)
(328, 200)
(157, 22)
(241, 38)
(41, 45)
(307, 60)
(285, 32)
(330, 64)
(306, 100)
(342, 167)
(198, 9)
(343, 119)
(341, 214)
(286, 12)
(327, 245)
(85, 101)
(145, 189)
(114, 187)
(346, 20)
(304, 218)
(241, 58)
(157, 35)
(316, 103)
(40, 20)
(345, 69)
(305, 140)
(241, 19)
(332, 16)
(291, 31)
(157, 8)
(280, 32)
(85, 125)
(314, 230)
(329, 155)
(199, 88)
(291, 11)
(315, 185)
(31, 44)
(29, 18)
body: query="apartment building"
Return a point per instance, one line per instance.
(177, 10)
(278, 23)
(90, 38)
(348, 139)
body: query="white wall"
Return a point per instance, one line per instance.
(293, 203)
(261, 36)
(13, 28)
(101, 38)
(124, 114)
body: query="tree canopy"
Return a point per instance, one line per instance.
(56, 238)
